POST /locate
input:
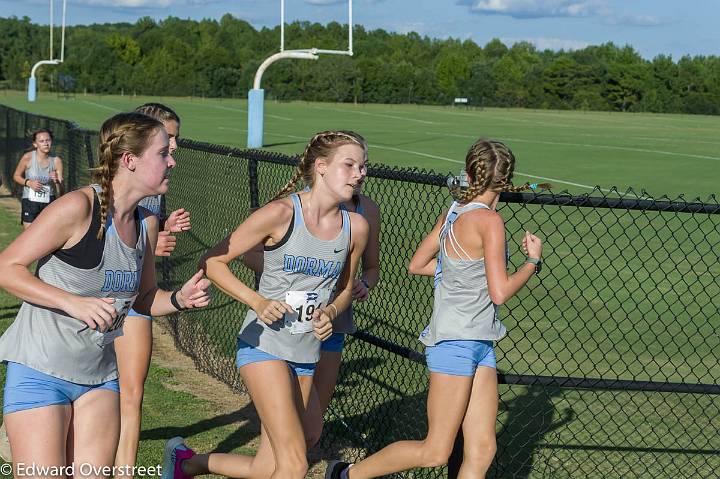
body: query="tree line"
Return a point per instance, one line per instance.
(219, 58)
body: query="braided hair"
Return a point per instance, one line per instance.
(124, 132)
(159, 112)
(489, 165)
(320, 145)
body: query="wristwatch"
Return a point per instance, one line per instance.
(537, 262)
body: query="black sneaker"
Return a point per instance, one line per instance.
(334, 468)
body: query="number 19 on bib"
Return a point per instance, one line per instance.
(304, 304)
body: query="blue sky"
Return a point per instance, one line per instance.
(652, 26)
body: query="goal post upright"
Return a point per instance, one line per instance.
(32, 81)
(256, 96)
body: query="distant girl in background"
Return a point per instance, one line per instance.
(40, 175)
(465, 252)
(134, 347)
(95, 262)
(311, 247)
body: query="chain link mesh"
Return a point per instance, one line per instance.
(610, 367)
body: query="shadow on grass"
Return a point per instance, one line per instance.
(530, 416)
(249, 429)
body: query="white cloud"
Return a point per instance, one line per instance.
(325, 2)
(524, 9)
(536, 8)
(545, 43)
(142, 4)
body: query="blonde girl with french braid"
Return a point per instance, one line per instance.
(312, 248)
(328, 367)
(94, 262)
(465, 252)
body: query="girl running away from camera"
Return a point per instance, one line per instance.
(311, 248)
(61, 404)
(465, 252)
(40, 175)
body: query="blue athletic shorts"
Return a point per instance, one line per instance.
(27, 388)
(460, 357)
(334, 344)
(132, 312)
(247, 354)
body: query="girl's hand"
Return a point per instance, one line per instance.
(165, 244)
(194, 293)
(97, 313)
(322, 324)
(532, 246)
(178, 221)
(270, 310)
(35, 185)
(54, 176)
(360, 291)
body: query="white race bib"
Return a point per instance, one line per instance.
(122, 306)
(304, 304)
(42, 196)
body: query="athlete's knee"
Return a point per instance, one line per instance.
(131, 394)
(435, 454)
(483, 452)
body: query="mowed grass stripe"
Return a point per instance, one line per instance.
(662, 154)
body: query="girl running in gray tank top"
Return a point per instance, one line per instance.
(328, 367)
(40, 175)
(311, 247)
(465, 252)
(94, 263)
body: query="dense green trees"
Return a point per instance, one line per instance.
(219, 58)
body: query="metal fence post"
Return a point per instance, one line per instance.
(254, 196)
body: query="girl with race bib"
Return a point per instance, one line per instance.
(61, 402)
(40, 176)
(311, 248)
(134, 347)
(328, 368)
(465, 252)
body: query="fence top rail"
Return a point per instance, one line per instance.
(69, 123)
(597, 198)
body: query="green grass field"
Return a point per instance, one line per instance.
(664, 154)
(625, 294)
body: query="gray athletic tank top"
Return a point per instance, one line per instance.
(299, 263)
(36, 173)
(54, 343)
(462, 308)
(345, 323)
(152, 203)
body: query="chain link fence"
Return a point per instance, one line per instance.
(611, 367)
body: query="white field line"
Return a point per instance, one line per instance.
(281, 135)
(379, 115)
(241, 110)
(621, 148)
(486, 115)
(651, 138)
(101, 106)
(583, 145)
(435, 157)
